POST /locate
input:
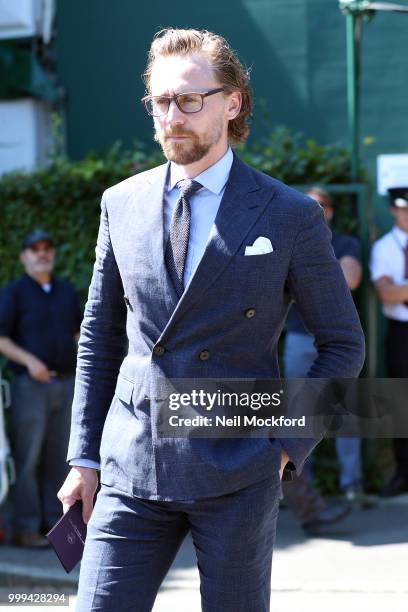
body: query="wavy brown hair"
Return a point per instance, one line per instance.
(227, 68)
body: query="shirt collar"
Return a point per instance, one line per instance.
(401, 235)
(31, 279)
(213, 178)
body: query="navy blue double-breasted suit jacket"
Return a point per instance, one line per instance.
(133, 308)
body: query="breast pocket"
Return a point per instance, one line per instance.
(257, 275)
(252, 260)
(253, 266)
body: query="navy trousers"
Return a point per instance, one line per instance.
(131, 543)
(40, 421)
(397, 366)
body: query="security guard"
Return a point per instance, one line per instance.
(39, 325)
(389, 273)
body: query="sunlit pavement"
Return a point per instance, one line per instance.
(361, 566)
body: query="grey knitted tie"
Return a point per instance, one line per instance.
(177, 244)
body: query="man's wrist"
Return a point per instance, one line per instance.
(87, 463)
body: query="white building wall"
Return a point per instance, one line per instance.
(18, 18)
(25, 124)
(24, 134)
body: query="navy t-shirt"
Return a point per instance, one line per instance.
(43, 323)
(342, 245)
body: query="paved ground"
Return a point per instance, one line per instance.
(362, 565)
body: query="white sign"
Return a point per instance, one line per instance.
(25, 130)
(17, 18)
(392, 171)
(24, 18)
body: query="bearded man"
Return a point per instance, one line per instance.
(196, 263)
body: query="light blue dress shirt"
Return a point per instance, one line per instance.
(204, 206)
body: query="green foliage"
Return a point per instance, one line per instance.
(286, 156)
(376, 460)
(289, 157)
(64, 199)
(325, 467)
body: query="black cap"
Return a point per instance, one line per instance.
(34, 237)
(398, 197)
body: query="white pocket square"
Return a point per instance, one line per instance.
(261, 246)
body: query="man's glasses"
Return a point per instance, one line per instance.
(158, 106)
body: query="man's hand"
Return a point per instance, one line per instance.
(81, 483)
(37, 369)
(284, 460)
(352, 270)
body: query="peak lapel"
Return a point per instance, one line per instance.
(242, 204)
(152, 195)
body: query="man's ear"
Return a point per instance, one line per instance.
(329, 214)
(234, 104)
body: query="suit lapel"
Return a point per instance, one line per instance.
(243, 202)
(153, 234)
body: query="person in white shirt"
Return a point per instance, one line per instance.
(389, 273)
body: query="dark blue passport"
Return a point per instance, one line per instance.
(67, 537)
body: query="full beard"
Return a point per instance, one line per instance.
(187, 151)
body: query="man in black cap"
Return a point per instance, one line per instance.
(39, 326)
(389, 273)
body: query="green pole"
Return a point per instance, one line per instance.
(362, 204)
(353, 23)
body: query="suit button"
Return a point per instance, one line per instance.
(204, 355)
(250, 312)
(159, 350)
(127, 301)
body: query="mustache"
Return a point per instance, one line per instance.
(171, 133)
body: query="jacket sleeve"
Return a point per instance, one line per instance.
(317, 284)
(101, 349)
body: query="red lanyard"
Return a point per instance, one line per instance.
(404, 250)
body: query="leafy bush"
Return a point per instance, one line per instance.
(290, 158)
(64, 199)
